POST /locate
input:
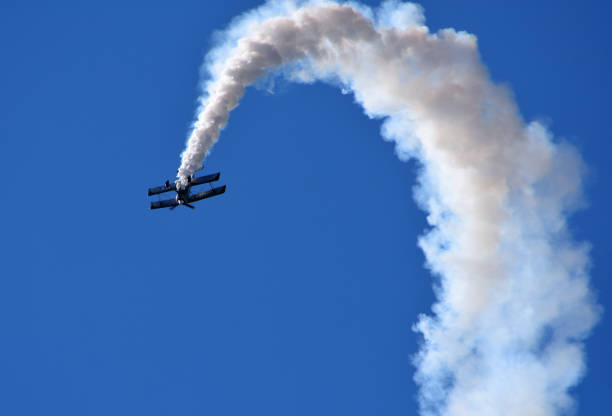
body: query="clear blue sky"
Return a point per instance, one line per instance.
(293, 293)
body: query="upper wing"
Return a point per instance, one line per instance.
(207, 194)
(205, 179)
(167, 203)
(162, 189)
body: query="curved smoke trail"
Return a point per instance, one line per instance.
(513, 302)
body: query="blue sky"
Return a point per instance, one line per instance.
(293, 293)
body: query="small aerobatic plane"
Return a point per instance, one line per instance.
(183, 192)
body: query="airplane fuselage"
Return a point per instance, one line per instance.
(182, 194)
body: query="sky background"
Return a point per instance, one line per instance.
(293, 293)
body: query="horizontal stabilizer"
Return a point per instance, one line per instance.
(167, 203)
(207, 194)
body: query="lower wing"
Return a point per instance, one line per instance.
(168, 203)
(207, 194)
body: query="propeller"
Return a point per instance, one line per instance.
(184, 204)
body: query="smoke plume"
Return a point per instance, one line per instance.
(505, 336)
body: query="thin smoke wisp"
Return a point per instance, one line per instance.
(513, 308)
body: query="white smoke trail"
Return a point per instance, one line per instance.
(514, 306)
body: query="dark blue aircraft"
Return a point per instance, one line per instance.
(183, 192)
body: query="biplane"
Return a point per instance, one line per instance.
(183, 191)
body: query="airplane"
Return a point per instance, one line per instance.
(183, 192)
